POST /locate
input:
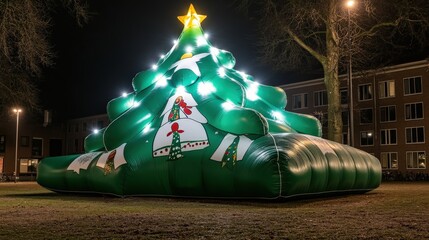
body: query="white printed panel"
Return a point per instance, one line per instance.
(194, 136)
(190, 101)
(242, 147)
(82, 162)
(119, 158)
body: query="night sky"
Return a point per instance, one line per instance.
(96, 63)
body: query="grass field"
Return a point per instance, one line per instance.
(395, 210)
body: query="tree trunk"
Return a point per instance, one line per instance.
(335, 123)
(332, 83)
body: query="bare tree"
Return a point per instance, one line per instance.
(25, 48)
(297, 34)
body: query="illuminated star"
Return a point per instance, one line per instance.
(192, 19)
(189, 62)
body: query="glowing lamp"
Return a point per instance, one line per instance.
(350, 3)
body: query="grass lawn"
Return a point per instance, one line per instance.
(395, 210)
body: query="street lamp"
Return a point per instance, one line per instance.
(350, 4)
(17, 111)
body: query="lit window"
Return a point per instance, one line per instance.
(365, 92)
(387, 89)
(416, 160)
(366, 138)
(28, 165)
(389, 160)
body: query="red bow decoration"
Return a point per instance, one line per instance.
(174, 128)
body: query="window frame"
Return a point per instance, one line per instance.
(417, 127)
(388, 115)
(304, 99)
(389, 160)
(417, 160)
(33, 139)
(370, 91)
(360, 116)
(346, 96)
(369, 132)
(415, 104)
(387, 134)
(322, 97)
(405, 87)
(384, 84)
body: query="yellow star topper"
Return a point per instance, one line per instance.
(192, 19)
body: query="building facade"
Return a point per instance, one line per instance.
(78, 129)
(37, 140)
(388, 113)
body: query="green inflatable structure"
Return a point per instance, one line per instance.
(196, 127)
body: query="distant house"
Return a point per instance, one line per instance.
(37, 140)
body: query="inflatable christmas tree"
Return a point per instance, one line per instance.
(194, 126)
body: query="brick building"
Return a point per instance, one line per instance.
(37, 140)
(389, 118)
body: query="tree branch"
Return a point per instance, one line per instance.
(300, 42)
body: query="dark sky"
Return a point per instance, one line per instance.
(96, 63)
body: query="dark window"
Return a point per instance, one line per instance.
(366, 138)
(344, 96)
(345, 117)
(345, 138)
(412, 85)
(415, 135)
(2, 143)
(76, 145)
(414, 111)
(320, 98)
(388, 114)
(36, 147)
(366, 116)
(300, 101)
(388, 136)
(55, 147)
(25, 141)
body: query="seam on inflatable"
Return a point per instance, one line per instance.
(278, 165)
(243, 90)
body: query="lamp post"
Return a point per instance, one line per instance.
(350, 4)
(17, 111)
